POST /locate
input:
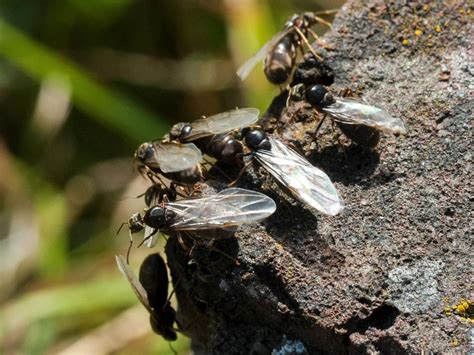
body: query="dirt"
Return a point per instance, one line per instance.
(376, 278)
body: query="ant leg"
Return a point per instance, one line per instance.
(192, 190)
(290, 95)
(320, 123)
(293, 114)
(174, 192)
(232, 183)
(182, 329)
(338, 138)
(305, 40)
(168, 301)
(147, 237)
(213, 248)
(345, 92)
(172, 349)
(323, 21)
(208, 162)
(319, 40)
(179, 193)
(220, 171)
(288, 100)
(326, 12)
(160, 180)
(182, 243)
(295, 148)
(150, 175)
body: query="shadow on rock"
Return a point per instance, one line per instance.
(348, 165)
(301, 238)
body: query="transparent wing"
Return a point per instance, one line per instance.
(244, 71)
(137, 287)
(230, 207)
(354, 112)
(150, 242)
(224, 122)
(307, 183)
(173, 157)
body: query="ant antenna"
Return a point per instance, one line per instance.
(129, 247)
(120, 228)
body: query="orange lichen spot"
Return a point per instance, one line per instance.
(426, 8)
(418, 32)
(454, 342)
(437, 28)
(464, 309)
(406, 42)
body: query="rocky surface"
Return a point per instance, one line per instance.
(377, 277)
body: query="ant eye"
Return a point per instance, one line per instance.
(186, 130)
(180, 131)
(144, 152)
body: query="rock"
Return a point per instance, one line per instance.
(377, 277)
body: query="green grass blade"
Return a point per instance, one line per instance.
(106, 106)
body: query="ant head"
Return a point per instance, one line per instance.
(180, 131)
(256, 139)
(310, 18)
(135, 223)
(297, 92)
(292, 21)
(157, 217)
(318, 96)
(162, 323)
(144, 152)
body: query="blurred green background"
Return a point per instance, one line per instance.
(82, 83)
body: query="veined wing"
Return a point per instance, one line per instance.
(224, 122)
(354, 112)
(307, 183)
(132, 278)
(173, 157)
(244, 71)
(230, 207)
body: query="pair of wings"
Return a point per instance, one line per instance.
(134, 282)
(357, 113)
(223, 122)
(246, 68)
(230, 207)
(226, 209)
(173, 156)
(307, 183)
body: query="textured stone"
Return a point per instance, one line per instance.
(375, 278)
